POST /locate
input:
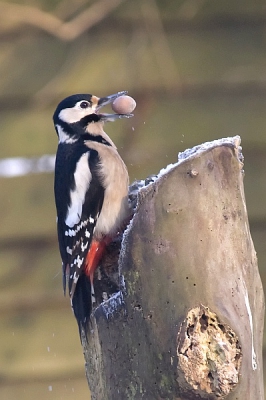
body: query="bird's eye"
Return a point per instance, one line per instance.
(84, 104)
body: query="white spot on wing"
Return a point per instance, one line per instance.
(69, 251)
(71, 232)
(82, 177)
(81, 225)
(75, 277)
(84, 246)
(78, 261)
(87, 233)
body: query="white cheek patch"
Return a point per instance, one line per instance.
(75, 114)
(68, 115)
(82, 177)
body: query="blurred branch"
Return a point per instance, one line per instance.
(44, 95)
(67, 31)
(14, 16)
(159, 42)
(67, 8)
(190, 8)
(189, 90)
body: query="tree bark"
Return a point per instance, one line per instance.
(187, 322)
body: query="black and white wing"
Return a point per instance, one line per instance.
(75, 230)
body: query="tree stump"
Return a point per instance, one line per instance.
(187, 320)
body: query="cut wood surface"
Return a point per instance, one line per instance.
(188, 320)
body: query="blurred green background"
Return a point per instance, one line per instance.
(197, 69)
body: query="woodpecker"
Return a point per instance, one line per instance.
(91, 194)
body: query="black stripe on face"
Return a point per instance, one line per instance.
(95, 138)
(75, 131)
(88, 119)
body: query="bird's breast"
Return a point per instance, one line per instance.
(114, 176)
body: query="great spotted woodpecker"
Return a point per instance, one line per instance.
(91, 193)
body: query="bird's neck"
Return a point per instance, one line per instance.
(79, 132)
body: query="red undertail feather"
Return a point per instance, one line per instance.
(94, 255)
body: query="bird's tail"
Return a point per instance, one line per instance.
(82, 303)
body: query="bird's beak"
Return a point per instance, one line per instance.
(107, 100)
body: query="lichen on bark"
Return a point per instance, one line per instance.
(209, 355)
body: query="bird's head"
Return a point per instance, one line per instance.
(75, 113)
